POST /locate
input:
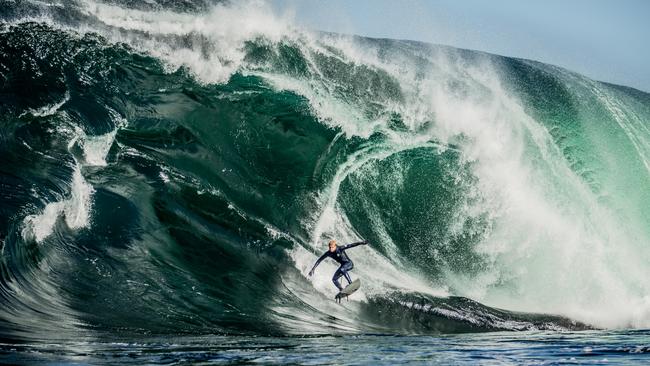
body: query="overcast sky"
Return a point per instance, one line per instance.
(606, 40)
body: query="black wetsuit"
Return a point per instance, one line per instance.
(340, 256)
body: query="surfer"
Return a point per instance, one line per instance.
(338, 254)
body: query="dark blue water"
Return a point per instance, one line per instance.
(503, 348)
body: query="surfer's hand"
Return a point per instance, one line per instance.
(365, 242)
(311, 273)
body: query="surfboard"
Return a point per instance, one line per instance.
(348, 290)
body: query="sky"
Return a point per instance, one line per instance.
(607, 40)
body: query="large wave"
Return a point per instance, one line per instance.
(178, 167)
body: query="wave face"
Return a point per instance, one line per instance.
(178, 167)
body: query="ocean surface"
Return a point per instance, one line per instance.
(170, 171)
(503, 348)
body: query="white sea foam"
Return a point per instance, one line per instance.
(75, 210)
(76, 207)
(48, 110)
(216, 39)
(96, 147)
(553, 248)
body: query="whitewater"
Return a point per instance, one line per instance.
(172, 170)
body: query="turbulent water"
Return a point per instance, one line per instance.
(177, 167)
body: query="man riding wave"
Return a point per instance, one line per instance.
(338, 254)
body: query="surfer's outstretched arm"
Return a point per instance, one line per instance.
(317, 263)
(352, 245)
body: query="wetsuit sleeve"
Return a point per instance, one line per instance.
(354, 245)
(318, 262)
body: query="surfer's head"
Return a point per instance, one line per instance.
(332, 245)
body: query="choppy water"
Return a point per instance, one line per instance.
(175, 168)
(504, 348)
